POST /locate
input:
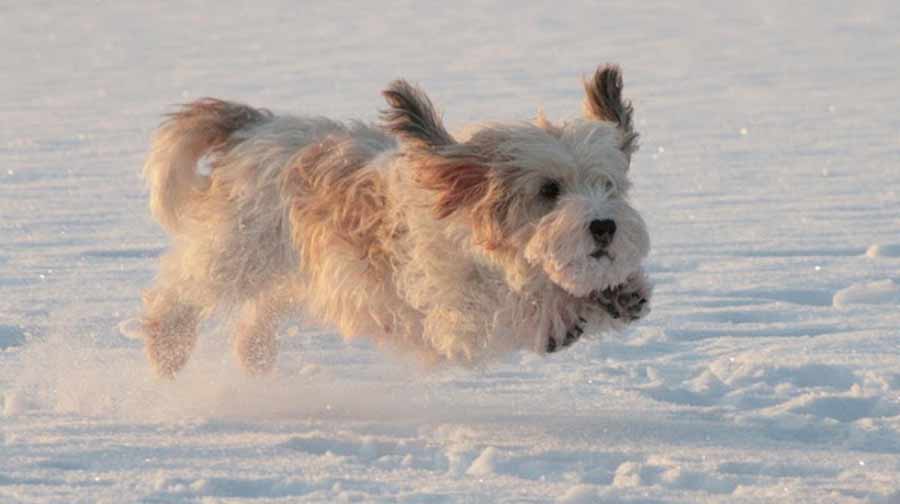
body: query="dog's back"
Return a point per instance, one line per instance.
(262, 168)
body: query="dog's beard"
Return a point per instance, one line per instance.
(562, 246)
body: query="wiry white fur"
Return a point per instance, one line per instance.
(596, 188)
(333, 219)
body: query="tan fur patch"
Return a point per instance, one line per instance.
(458, 182)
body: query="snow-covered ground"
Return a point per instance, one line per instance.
(769, 370)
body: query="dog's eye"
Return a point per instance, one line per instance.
(608, 185)
(550, 190)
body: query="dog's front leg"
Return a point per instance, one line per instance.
(611, 308)
(627, 302)
(572, 335)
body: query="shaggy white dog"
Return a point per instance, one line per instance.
(518, 236)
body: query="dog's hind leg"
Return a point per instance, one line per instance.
(255, 343)
(174, 307)
(170, 330)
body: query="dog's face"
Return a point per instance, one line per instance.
(571, 217)
(542, 201)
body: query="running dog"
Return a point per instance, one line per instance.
(516, 235)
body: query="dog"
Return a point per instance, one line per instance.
(517, 235)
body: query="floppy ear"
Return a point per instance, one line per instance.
(604, 103)
(457, 183)
(412, 117)
(457, 176)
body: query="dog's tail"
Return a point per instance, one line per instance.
(202, 128)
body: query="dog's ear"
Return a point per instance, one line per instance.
(456, 175)
(604, 103)
(412, 117)
(458, 182)
(542, 122)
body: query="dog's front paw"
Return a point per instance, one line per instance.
(572, 335)
(627, 302)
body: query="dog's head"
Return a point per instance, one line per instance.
(541, 200)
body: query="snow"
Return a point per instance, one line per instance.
(873, 293)
(579, 494)
(886, 250)
(768, 371)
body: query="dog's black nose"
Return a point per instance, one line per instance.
(603, 231)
